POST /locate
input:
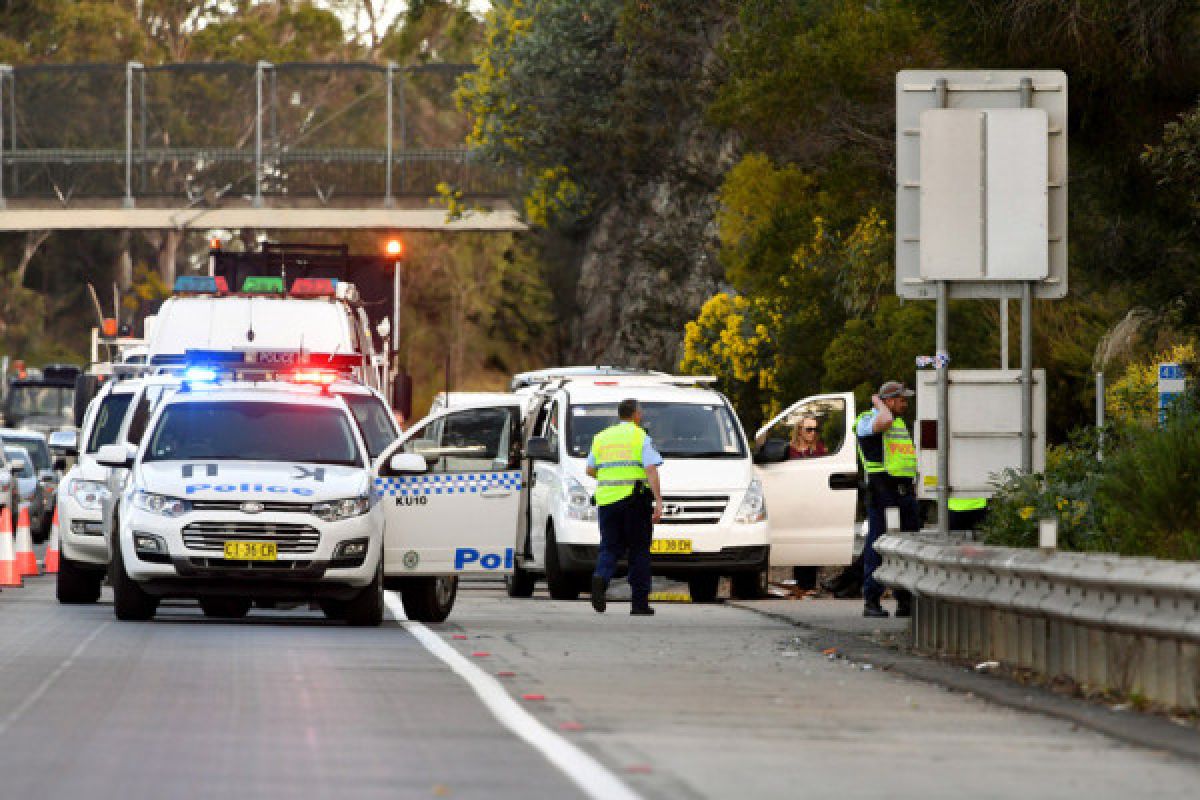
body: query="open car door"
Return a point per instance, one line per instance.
(811, 501)
(460, 513)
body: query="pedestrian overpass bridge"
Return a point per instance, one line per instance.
(202, 146)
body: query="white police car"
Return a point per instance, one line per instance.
(241, 492)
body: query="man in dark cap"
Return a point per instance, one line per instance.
(889, 459)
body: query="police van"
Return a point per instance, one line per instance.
(247, 491)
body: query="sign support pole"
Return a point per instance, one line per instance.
(1026, 91)
(942, 316)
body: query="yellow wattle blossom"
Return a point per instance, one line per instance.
(1026, 513)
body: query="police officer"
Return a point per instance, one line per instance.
(625, 465)
(889, 459)
(966, 513)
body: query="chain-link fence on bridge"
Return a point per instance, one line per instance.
(202, 132)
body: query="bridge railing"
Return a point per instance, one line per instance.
(214, 132)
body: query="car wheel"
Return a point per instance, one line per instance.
(129, 601)
(225, 607)
(703, 587)
(562, 584)
(520, 583)
(76, 584)
(429, 599)
(365, 610)
(749, 585)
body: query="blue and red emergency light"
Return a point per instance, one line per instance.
(201, 284)
(293, 366)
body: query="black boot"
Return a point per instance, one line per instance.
(872, 609)
(599, 589)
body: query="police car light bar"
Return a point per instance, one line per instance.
(314, 287)
(314, 377)
(262, 284)
(272, 360)
(201, 284)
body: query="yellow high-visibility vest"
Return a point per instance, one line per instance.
(617, 454)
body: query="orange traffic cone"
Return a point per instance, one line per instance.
(9, 574)
(26, 560)
(50, 562)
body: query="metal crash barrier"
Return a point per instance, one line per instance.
(1103, 621)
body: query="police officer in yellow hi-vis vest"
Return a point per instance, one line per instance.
(629, 501)
(889, 459)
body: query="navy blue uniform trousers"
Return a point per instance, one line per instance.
(883, 492)
(627, 526)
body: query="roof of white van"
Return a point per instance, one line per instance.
(223, 323)
(601, 392)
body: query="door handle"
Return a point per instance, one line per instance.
(486, 493)
(843, 480)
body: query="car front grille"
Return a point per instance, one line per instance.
(288, 536)
(693, 509)
(267, 506)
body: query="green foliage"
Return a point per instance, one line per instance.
(1133, 398)
(1067, 491)
(734, 339)
(1148, 491)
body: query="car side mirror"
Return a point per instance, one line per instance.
(539, 449)
(410, 463)
(64, 443)
(60, 464)
(114, 455)
(773, 451)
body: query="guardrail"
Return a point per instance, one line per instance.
(1105, 622)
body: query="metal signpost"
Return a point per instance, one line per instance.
(981, 210)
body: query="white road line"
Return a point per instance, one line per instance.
(18, 712)
(584, 771)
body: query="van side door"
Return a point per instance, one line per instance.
(811, 493)
(461, 513)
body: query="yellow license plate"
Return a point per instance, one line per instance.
(251, 551)
(670, 546)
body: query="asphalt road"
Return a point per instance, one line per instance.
(699, 701)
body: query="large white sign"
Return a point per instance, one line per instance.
(981, 183)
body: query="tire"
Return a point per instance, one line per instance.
(520, 583)
(365, 609)
(130, 603)
(333, 609)
(805, 577)
(703, 587)
(76, 584)
(749, 585)
(225, 607)
(562, 584)
(429, 599)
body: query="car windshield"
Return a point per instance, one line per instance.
(19, 462)
(679, 430)
(35, 449)
(108, 421)
(254, 431)
(374, 421)
(51, 401)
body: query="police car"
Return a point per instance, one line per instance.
(247, 491)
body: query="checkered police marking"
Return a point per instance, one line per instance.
(458, 483)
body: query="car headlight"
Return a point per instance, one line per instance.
(754, 505)
(579, 502)
(89, 494)
(334, 510)
(161, 504)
